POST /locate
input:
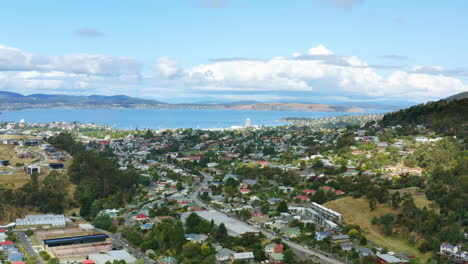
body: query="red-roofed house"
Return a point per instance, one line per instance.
(339, 192)
(89, 261)
(327, 188)
(279, 248)
(308, 192)
(244, 191)
(2, 230)
(183, 203)
(262, 163)
(4, 243)
(303, 198)
(141, 217)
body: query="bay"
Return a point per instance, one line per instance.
(163, 118)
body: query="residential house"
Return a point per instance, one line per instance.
(308, 192)
(339, 238)
(224, 255)
(248, 183)
(454, 252)
(167, 260)
(303, 198)
(244, 191)
(276, 258)
(245, 256)
(196, 238)
(321, 235)
(347, 246)
(365, 252)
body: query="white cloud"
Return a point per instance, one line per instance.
(319, 71)
(12, 59)
(167, 67)
(320, 50)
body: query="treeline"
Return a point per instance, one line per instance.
(443, 117)
(36, 195)
(100, 184)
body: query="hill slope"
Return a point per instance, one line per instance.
(448, 117)
(457, 96)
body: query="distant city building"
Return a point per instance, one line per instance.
(47, 219)
(247, 122)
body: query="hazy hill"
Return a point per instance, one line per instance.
(457, 96)
(16, 101)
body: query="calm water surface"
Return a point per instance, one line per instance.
(161, 118)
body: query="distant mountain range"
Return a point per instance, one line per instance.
(16, 101)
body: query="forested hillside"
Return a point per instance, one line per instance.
(445, 117)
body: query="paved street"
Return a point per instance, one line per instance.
(42, 160)
(25, 242)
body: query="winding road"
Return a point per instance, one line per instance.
(42, 160)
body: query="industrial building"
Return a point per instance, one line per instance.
(39, 220)
(73, 243)
(66, 241)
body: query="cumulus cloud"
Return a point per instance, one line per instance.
(13, 59)
(318, 71)
(89, 32)
(167, 68)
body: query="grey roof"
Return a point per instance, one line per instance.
(225, 252)
(390, 258)
(365, 251)
(243, 255)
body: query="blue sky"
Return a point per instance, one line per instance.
(228, 50)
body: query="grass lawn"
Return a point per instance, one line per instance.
(356, 211)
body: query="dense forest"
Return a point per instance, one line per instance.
(100, 184)
(444, 117)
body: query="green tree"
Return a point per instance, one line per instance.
(221, 234)
(103, 222)
(282, 206)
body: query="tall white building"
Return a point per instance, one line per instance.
(247, 122)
